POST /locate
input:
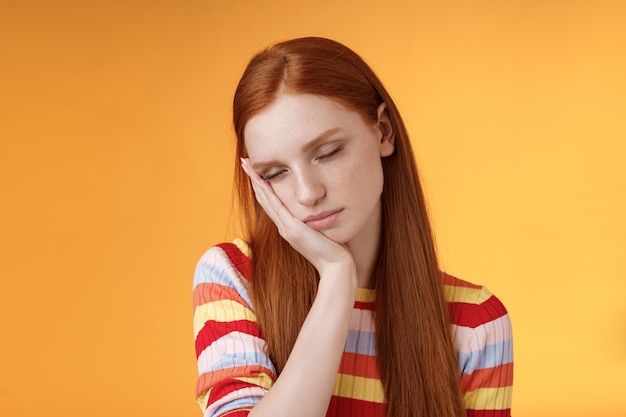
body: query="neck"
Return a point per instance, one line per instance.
(365, 262)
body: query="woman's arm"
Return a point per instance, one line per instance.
(234, 371)
(306, 383)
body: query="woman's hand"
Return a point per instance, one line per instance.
(318, 249)
(317, 353)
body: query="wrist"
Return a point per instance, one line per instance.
(339, 278)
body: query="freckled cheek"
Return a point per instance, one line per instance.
(285, 192)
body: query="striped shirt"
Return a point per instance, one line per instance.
(235, 371)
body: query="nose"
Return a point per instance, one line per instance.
(310, 189)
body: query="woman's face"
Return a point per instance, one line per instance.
(323, 162)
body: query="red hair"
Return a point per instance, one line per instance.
(415, 355)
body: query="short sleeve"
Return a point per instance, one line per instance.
(483, 340)
(233, 366)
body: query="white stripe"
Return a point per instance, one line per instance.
(468, 339)
(231, 344)
(245, 397)
(216, 267)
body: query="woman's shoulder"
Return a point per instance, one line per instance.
(227, 255)
(223, 266)
(471, 304)
(483, 340)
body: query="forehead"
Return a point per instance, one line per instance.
(295, 119)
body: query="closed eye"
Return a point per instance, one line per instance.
(329, 154)
(268, 177)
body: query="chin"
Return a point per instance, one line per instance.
(338, 236)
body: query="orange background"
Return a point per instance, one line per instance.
(116, 168)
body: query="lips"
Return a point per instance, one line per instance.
(323, 220)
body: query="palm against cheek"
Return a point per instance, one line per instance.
(310, 243)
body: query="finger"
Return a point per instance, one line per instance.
(266, 196)
(309, 242)
(262, 190)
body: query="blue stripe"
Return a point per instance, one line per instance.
(211, 273)
(361, 342)
(244, 402)
(231, 360)
(488, 357)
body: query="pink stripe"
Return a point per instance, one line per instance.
(468, 339)
(362, 320)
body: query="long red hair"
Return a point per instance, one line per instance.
(415, 355)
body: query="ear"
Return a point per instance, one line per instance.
(385, 131)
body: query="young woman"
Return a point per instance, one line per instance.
(333, 303)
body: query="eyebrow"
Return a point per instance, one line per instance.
(312, 144)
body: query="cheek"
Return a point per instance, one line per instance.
(366, 168)
(285, 192)
(367, 181)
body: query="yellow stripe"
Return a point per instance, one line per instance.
(365, 295)
(456, 294)
(262, 380)
(243, 246)
(235, 411)
(202, 400)
(359, 388)
(221, 310)
(489, 398)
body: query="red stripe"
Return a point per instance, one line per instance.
(341, 407)
(359, 365)
(361, 305)
(474, 315)
(238, 258)
(213, 330)
(496, 377)
(223, 388)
